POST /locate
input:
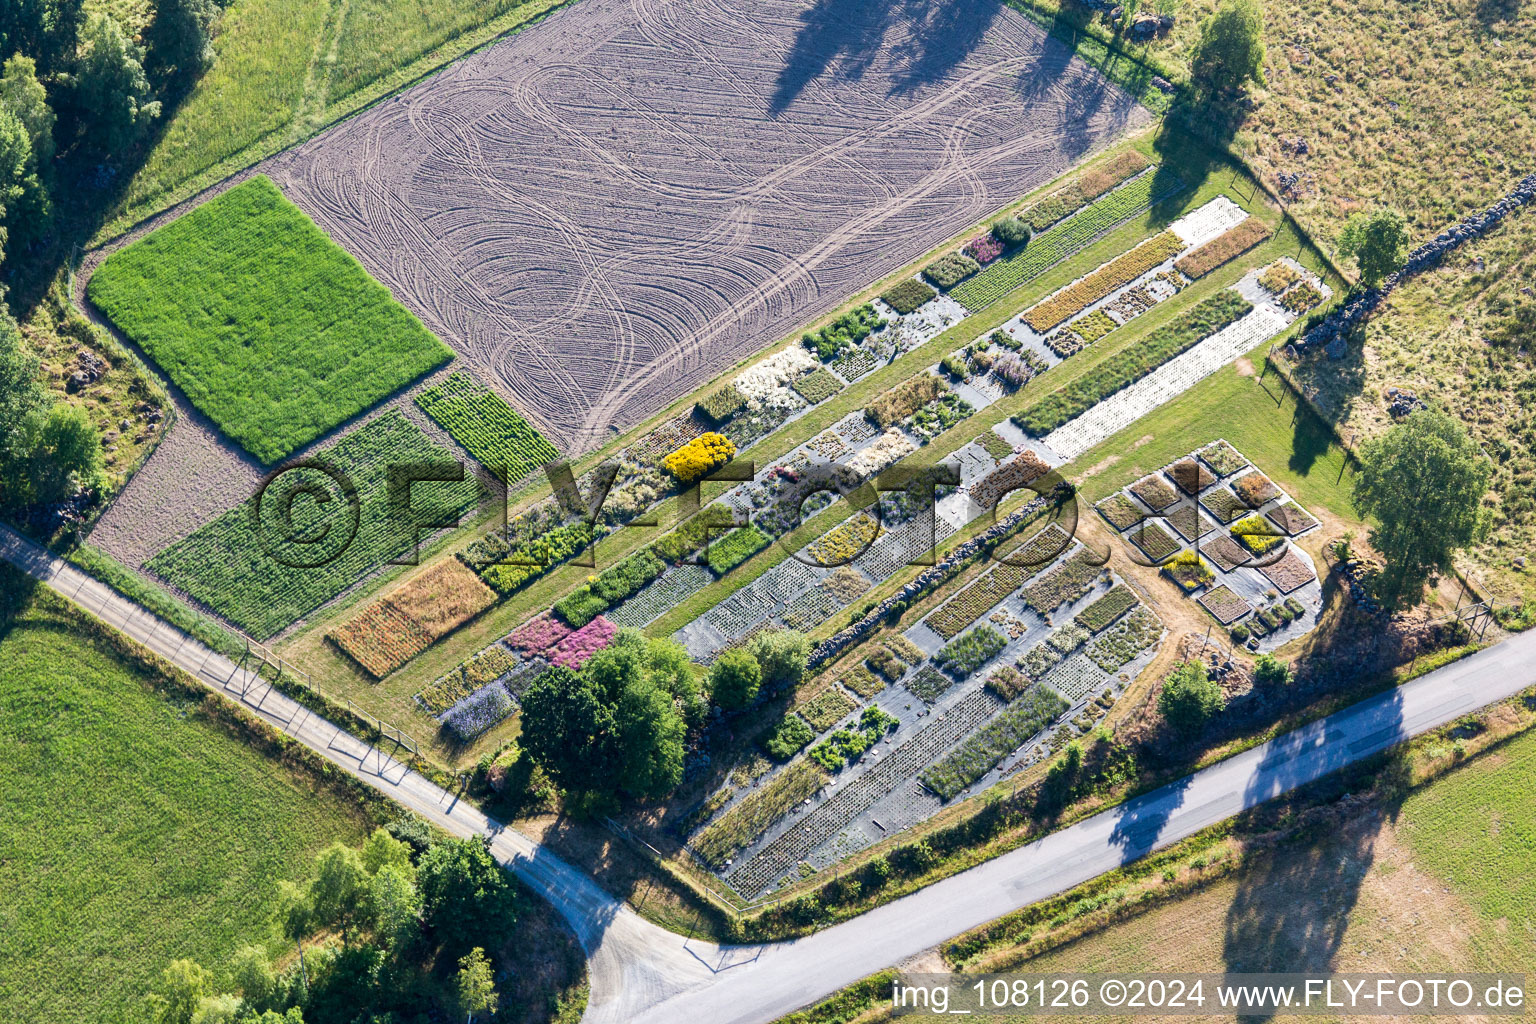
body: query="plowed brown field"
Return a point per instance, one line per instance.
(606, 210)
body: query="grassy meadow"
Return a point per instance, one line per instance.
(134, 829)
(287, 68)
(270, 328)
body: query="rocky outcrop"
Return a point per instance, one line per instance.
(1333, 332)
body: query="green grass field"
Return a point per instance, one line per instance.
(263, 581)
(270, 328)
(133, 830)
(1477, 830)
(286, 68)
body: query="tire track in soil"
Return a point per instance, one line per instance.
(602, 212)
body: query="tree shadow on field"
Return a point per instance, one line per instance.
(1291, 911)
(1491, 12)
(844, 38)
(1139, 823)
(16, 592)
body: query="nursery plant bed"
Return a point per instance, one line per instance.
(1224, 605)
(1120, 512)
(1155, 492)
(1292, 519)
(1289, 573)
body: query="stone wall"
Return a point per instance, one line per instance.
(1332, 334)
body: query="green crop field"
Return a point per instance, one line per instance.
(270, 328)
(488, 428)
(133, 830)
(231, 568)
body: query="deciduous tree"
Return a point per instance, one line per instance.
(475, 985)
(339, 892)
(734, 679)
(180, 36)
(111, 86)
(1422, 484)
(1378, 241)
(1231, 47)
(1190, 698)
(465, 894)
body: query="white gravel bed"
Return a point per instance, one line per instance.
(1200, 226)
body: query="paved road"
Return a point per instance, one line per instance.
(642, 974)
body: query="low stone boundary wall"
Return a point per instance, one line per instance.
(1331, 335)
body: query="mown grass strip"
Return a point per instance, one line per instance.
(1067, 237)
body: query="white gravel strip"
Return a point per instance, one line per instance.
(1200, 226)
(758, 381)
(1165, 383)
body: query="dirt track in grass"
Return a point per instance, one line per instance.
(605, 211)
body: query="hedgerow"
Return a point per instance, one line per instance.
(1129, 365)
(489, 429)
(230, 567)
(269, 328)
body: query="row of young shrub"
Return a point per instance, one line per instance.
(843, 333)
(1229, 244)
(1121, 270)
(1080, 191)
(608, 588)
(1128, 366)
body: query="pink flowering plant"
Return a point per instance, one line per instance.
(538, 635)
(574, 651)
(984, 248)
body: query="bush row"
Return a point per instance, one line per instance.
(1128, 366)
